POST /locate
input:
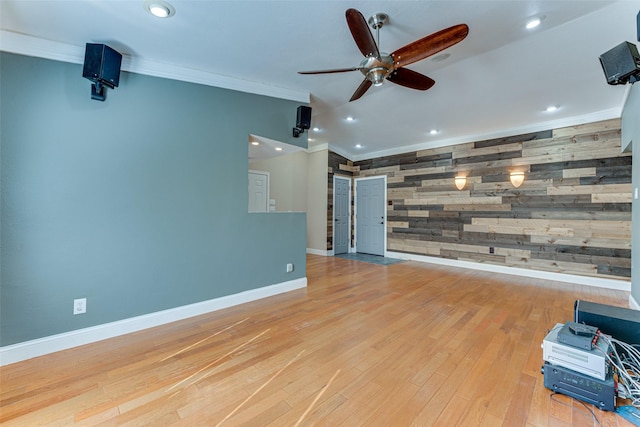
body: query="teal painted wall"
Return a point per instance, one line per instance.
(138, 204)
(631, 137)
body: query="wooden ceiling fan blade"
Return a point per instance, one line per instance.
(337, 70)
(429, 45)
(411, 79)
(364, 86)
(361, 33)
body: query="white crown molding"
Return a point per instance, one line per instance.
(32, 46)
(351, 157)
(620, 285)
(39, 347)
(613, 113)
(317, 148)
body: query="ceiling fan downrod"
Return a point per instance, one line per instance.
(377, 21)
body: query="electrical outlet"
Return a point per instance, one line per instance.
(79, 306)
(289, 268)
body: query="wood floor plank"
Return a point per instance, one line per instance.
(364, 344)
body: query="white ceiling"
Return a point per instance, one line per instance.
(497, 82)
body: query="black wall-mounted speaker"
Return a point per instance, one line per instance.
(303, 121)
(102, 65)
(621, 63)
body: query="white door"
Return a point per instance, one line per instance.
(341, 214)
(371, 215)
(258, 191)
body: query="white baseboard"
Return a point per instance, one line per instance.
(633, 303)
(319, 252)
(327, 253)
(620, 285)
(41, 346)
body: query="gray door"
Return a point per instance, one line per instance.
(341, 215)
(370, 216)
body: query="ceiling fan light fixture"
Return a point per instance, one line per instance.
(377, 75)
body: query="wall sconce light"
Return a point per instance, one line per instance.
(516, 178)
(460, 182)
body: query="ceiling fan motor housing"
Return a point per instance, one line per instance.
(377, 69)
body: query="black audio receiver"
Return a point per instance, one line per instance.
(601, 393)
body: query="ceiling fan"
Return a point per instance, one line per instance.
(378, 66)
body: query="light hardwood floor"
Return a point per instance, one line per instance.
(406, 344)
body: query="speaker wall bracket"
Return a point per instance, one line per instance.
(98, 91)
(297, 132)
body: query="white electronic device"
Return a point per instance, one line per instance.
(589, 362)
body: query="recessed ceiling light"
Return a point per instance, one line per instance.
(255, 143)
(159, 11)
(159, 8)
(350, 119)
(358, 145)
(551, 108)
(316, 129)
(433, 131)
(534, 22)
(278, 148)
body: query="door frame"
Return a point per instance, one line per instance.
(333, 234)
(384, 211)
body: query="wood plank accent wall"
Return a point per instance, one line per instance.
(572, 214)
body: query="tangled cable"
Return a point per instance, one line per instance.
(625, 359)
